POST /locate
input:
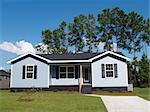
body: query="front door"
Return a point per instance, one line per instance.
(85, 74)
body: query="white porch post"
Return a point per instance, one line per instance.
(81, 79)
(48, 72)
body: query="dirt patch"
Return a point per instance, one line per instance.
(25, 99)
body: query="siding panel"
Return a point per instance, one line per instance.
(42, 80)
(120, 80)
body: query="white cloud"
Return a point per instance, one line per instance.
(20, 47)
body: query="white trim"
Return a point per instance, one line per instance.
(110, 53)
(9, 62)
(66, 61)
(26, 72)
(109, 70)
(11, 76)
(48, 71)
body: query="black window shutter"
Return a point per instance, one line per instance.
(115, 70)
(35, 71)
(103, 70)
(76, 72)
(57, 72)
(23, 72)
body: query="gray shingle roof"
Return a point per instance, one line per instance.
(4, 73)
(69, 56)
(72, 56)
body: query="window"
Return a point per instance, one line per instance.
(71, 72)
(109, 70)
(66, 71)
(63, 72)
(109, 66)
(29, 71)
(29, 68)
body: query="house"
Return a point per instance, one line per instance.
(82, 71)
(4, 79)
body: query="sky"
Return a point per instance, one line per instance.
(21, 21)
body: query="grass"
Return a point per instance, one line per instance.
(49, 102)
(115, 93)
(143, 92)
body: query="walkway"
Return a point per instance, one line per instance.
(125, 103)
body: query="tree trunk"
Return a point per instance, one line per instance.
(134, 57)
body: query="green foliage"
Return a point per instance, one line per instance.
(143, 76)
(130, 31)
(140, 76)
(90, 32)
(105, 28)
(111, 26)
(56, 40)
(63, 36)
(76, 33)
(133, 31)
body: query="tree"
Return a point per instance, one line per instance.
(143, 76)
(54, 41)
(76, 33)
(133, 31)
(63, 37)
(118, 23)
(47, 38)
(105, 28)
(90, 34)
(111, 26)
(145, 36)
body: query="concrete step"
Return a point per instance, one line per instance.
(86, 89)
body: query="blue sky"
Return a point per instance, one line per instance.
(25, 19)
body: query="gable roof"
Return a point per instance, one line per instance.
(4, 73)
(116, 55)
(21, 57)
(70, 57)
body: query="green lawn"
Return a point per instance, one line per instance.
(143, 92)
(49, 102)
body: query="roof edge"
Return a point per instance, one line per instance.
(124, 57)
(57, 61)
(23, 55)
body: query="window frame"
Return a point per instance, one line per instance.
(67, 72)
(109, 70)
(26, 71)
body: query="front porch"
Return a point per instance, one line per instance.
(71, 75)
